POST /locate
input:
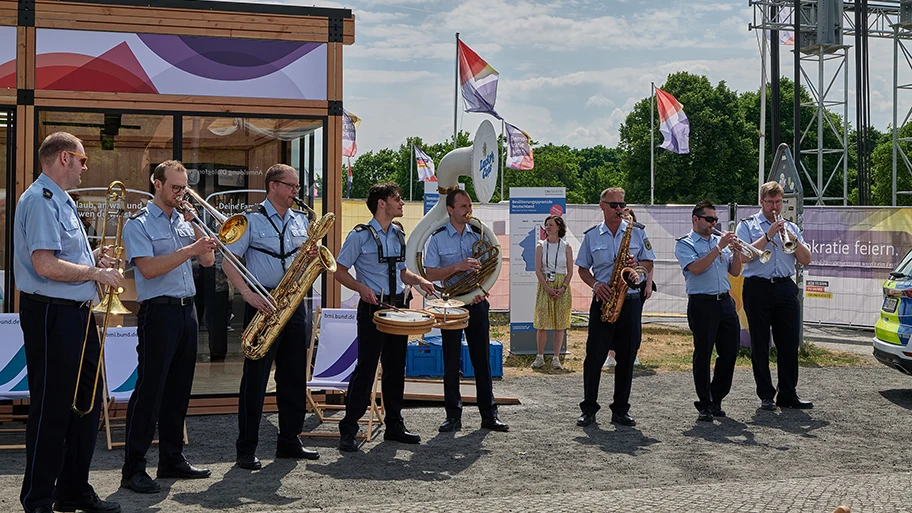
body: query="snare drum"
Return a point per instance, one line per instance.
(449, 318)
(403, 322)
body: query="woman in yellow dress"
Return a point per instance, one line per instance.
(554, 269)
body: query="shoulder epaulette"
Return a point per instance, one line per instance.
(743, 219)
(476, 229)
(139, 213)
(682, 237)
(253, 209)
(438, 230)
(641, 226)
(47, 193)
(361, 227)
(590, 229)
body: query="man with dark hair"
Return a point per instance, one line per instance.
(160, 242)
(377, 252)
(771, 299)
(596, 259)
(706, 260)
(450, 251)
(57, 275)
(270, 244)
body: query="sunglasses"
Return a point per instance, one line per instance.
(615, 204)
(709, 219)
(82, 158)
(294, 187)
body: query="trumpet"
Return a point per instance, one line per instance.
(231, 229)
(110, 304)
(789, 244)
(748, 250)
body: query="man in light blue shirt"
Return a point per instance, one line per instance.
(275, 233)
(57, 276)
(771, 299)
(160, 241)
(450, 251)
(377, 252)
(707, 260)
(595, 261)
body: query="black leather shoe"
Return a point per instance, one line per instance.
(298, 453)
(717, 411)
(43, 509)
(767, 404)
(92, 504)
(494, 425)
(401, 435)
(450, 424)
(140, 482)
(585, 419)
(795, 403)
(183, 470)
(348, 444)
(249, 462)
(623, 419)
(705, 416)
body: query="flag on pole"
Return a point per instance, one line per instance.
(520, 154)
(673, 123)
(350, 124)
(425, 166)
(348, 193)
(478, 81)
(784, 17)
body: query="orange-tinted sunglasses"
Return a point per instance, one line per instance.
(82, 158)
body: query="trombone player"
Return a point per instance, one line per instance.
(275, 232)
(160, 242)
(771, 298)
(57, 275)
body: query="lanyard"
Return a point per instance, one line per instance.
(556, 253)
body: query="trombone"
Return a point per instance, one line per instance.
(231, 229)
(748, 250)
(110, 303)
(789, 244)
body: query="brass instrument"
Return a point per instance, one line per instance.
(231, 229)
(748, 250)
(262, 331)
(110, 303)
(464, 282)
(622, 276)
(789, 242)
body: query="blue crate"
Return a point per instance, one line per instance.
(424, 360)
(496, 360)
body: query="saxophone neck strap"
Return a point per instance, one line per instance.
(282, 255)
(382, 258)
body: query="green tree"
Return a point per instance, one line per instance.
(721, 165)
(882, 169)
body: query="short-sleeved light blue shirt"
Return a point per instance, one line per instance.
(714, 280)
(150, 233)
(46, 219)
(447, 246)
(780, 264)
(361, 252)
(292, 232)
(600, 247)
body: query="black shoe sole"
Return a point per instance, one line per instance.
(129, 486)
(348, 448)
(255, 466)
(450, 429)
(166, 475)
(297, 456)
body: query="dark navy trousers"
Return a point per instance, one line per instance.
(478, 338)
(168, 336)
(714, 324)
(624, 337)
(773, 306)
(58, 443)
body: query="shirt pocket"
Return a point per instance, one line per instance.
(298, 236)
(449, 256)
(162, 242)
(186, 235)
(602, 254)
(269, 239)
(72, 235)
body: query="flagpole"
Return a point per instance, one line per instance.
(456, 98)
(411, 169)
(503, 158)
(762, 113)
(652, 145)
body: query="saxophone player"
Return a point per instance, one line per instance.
(596, 260)
(274, 233)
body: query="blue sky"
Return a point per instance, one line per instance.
(570, 70)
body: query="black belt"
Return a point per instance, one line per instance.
(709, 297)
(56, 300)
(774, 279)
(168, 300)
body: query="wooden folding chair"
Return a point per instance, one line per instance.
(331, 362)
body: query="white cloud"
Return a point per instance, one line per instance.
(599, 100)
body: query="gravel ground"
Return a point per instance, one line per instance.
(859, 426)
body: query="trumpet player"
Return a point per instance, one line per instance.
(160, 242)
(377, 252)
(596, 259)
(57, 275)
(450, 252)
(707, 260)
(274, 233)
(771, 298)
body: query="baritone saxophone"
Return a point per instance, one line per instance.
(262, 331)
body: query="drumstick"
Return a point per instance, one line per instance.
(391, 307)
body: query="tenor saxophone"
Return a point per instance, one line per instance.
(622, 277)
(262, 331)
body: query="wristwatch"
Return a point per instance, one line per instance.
(768, 239)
